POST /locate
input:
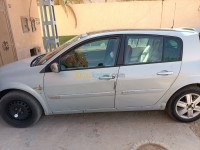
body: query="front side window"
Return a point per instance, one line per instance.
(57, 50)
(98, 53)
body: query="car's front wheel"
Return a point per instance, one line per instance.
(184, 105)
(19, 109)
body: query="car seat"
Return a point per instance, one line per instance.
(128, 54)
(111, 52)
(145, 54)
(155, 53)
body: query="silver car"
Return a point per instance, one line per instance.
(119, 70)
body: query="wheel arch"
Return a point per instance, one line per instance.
(189, 85)
(31, 92)
(177, 86)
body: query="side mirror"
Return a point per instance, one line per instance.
(54, 67)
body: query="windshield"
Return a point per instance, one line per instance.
(54, 52)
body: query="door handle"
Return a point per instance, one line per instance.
(165, 73)
(106, 77)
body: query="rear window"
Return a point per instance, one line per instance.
(172, 49)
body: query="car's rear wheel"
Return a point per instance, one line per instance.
(185, 104)
(19, 109)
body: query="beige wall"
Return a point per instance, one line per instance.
(187, 13)
(24, 41)
(134, 14)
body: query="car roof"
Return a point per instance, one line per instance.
(167, 31)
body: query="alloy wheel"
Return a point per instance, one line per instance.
(188, 106)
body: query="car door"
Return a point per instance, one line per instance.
(151, 65)
(87, 77)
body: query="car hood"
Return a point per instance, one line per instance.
(21, 74)
(17, 67)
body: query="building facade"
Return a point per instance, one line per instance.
(20, 31)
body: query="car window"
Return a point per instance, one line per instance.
(99, 53)
(172, 49)
(143, 49)
(54, 52)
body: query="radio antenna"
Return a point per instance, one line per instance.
(174, 16)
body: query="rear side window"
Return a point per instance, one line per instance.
(172, 49)
(141, 49)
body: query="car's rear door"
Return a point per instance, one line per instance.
(87, 78)
(151, 65)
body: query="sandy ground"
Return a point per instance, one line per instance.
(195, 127)
(102, 131)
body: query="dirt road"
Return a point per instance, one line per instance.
(102, 131)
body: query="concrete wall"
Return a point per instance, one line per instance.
(133, 14)
(187, 13)
(24, 41)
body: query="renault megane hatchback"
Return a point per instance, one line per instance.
(119, 70)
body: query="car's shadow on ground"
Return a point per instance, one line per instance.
(105, 117)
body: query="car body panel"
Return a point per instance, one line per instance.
(190, 68)
(67, 91)
(20, 76)
(141, 86)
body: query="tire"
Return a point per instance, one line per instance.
(184, 105)
(19, 109)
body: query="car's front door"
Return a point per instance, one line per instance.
(151, 65)
(87, 77)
